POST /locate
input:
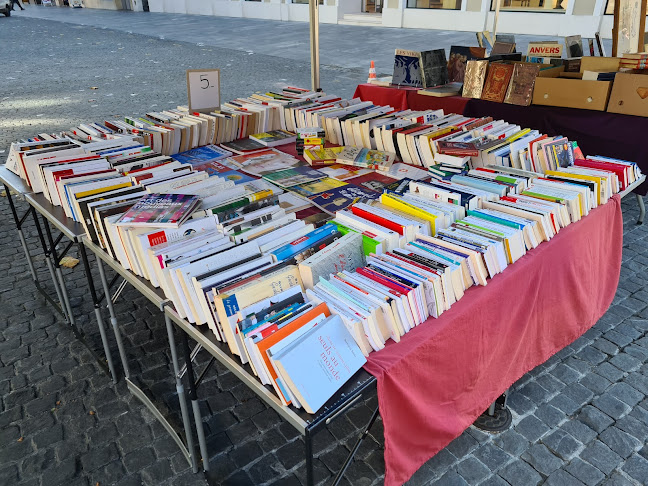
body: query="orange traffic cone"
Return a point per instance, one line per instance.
(372, 72)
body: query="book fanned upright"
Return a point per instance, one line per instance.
(474, 79)
(497, 81)
(520, 90)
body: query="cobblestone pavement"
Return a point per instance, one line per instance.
(580, 418)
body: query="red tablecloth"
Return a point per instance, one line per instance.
(447, 371)
(404, 98)
(597, 132)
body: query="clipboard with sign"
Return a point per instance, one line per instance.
(203, 89)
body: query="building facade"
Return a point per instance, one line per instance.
(535, 17)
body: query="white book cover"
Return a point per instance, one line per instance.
(320, 362)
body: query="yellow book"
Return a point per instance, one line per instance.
(92, 192)
(393, 201)
(597, 180)
(229, 303)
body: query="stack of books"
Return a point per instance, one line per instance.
(217, 229)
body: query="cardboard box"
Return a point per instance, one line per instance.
(600, 64)
(572, 93)
(553, 72)
(629, 95)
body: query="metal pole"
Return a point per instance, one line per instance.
(21, 236)
(313, 7)
(113, 318)
(97, 309)
(182, 398)
(193, 396)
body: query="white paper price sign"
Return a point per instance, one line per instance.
(203, 89)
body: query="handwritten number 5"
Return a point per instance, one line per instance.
(203, 79)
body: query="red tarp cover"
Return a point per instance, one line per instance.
(447, 371)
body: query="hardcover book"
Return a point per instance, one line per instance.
(500, 47)
(459, 56)
(434, 68)
(497, 81)
(474, 79)
(574, 45)
(407, 69)
(520, 90)
(450, 89)
(243, 146)
(160, 210)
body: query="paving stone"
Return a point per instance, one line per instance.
(493, 457)
(584, 472)
(634, 427)
(549, 383)
(564, 403)
(620, 442)
(9, 474)
(626, 393)
(519, 472)
(562, 444)
(451, 478)
(542, 459)
(594, 418)
(562, 478)
(617, 480)
(549, 414)
(601, 456)
(578, 393)
(139, 459)
(99, 456)
(565, 374)
(589, 353)
(606, 370)
(534, 392)
(462, 445)
(611, 406)
(637, 468)
(441, 461)
(532, 428)
(49, 436)
(520, 404)
(595, 382)
(625, 362)
(511, 442)
(617, 338)
(472, 470)
(606, 346)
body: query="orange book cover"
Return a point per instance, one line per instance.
(497, 82)
(272, 339)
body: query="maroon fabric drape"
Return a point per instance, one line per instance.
(446, 372)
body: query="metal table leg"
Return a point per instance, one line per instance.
(113, 318)
(97, 306)
(59, 272)
(193, 396)
(50, 265)
(181, 394)
(642, 208)
(19, 222)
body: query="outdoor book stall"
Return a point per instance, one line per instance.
(431, 385)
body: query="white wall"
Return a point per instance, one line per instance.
(553, 24)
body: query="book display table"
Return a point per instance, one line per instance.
(597, 132)
(434, 383)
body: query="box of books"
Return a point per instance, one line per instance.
(629, 94)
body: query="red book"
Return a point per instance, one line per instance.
(497, 82)
(378, 220)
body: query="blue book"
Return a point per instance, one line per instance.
(199, 155)
(293, 248)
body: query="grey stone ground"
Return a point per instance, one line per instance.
(580, 418)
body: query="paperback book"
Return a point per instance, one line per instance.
(160, 210)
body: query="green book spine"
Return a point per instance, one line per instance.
(369, 245)
(489, 217)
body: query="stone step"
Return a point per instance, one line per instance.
(361, 19)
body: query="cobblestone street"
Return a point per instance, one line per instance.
(581, 418)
